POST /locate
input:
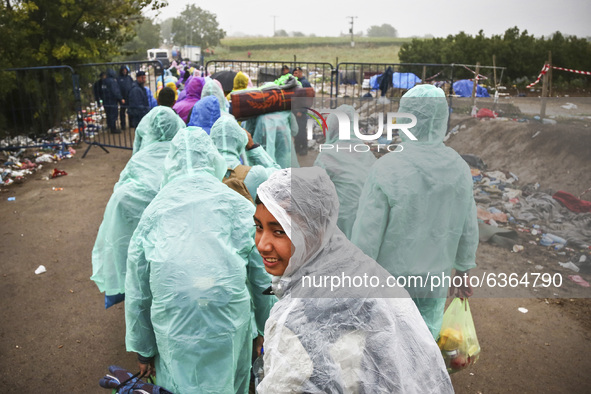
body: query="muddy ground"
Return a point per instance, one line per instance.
(56, 336)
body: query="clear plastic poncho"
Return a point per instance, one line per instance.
(188, 275)
(346, 167)
(417, 214)
(160, 124)
(317, 343)
(138, 184)
(275, 132)
(230, 140)
(211, 88)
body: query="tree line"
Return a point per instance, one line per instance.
(522, 53)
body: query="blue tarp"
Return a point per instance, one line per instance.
(399, 80)
(463, 88)
(373, 81)
(405, 80)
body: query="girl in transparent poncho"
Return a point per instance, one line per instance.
(333, 339)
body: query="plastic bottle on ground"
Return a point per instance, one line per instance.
(555, 238)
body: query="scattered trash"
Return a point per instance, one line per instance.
(57, 173)
(551, 239)
(571, 202)
(474, 161)
(570, 265)
(522, 310)
(518, 248)
(57, 189)
(485, 113)
(11, 198)
(536, 134)
(41, 269)
(578, 280)
(569, 106)
(548, 121)
(17, 167)
(45, 158)
(539, 267)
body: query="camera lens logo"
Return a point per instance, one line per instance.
(317, 116)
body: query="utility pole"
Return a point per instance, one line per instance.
(274, 17)
(351, 30)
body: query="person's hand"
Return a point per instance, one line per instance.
(258, 345)
(147, 369)
(463, 291)
(250, 142)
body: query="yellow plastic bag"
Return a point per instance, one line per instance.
(457, 338)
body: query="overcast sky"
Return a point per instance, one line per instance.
(411, 18)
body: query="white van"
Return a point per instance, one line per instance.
(161, 54)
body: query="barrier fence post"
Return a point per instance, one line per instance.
(544, 92)
(550, 74)
(475, 83)
(451, 93)
(495, 70)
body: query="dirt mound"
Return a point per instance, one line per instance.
(555, 156)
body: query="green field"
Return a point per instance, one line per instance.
(310, 49)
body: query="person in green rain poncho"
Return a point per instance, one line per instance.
(232, 141)
(138, 184)
(144, 134)
(417, 214)
(275, 132)
(189, 270)
(213, 87)
(346, 167)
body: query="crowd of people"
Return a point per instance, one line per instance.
(212, 230)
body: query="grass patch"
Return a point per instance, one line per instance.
(281, 49)
(256, 43)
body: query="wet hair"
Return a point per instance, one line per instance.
(166, 97)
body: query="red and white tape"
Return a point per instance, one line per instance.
(480, 76)
(434, 76)
(546, 68)
(544, 71)
(572, 71)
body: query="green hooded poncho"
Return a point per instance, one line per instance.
(417, 214)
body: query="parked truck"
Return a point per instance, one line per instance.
(161, 54)
(191, 53)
